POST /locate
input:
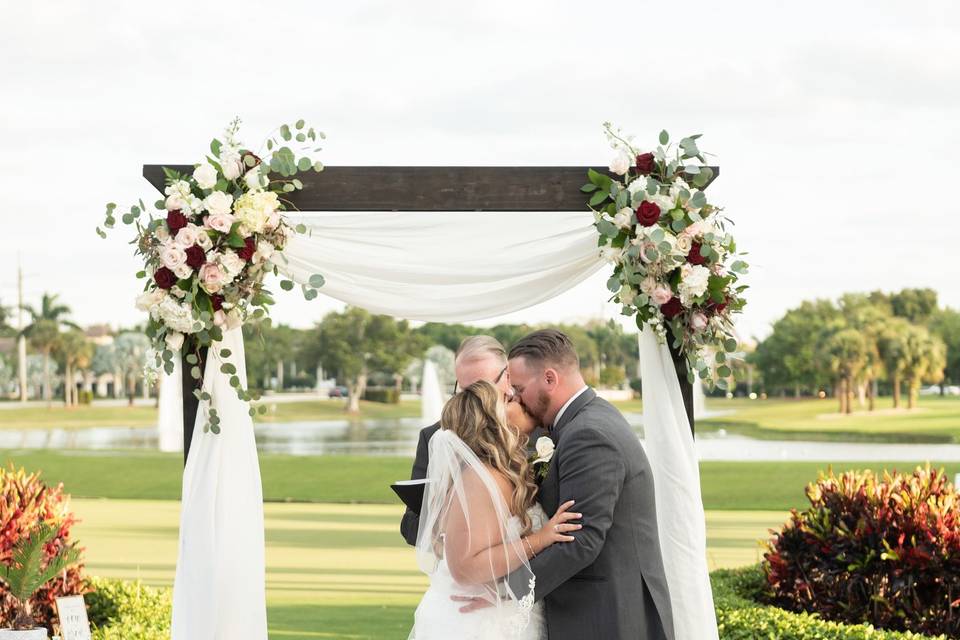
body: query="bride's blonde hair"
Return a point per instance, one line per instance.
(477, 415)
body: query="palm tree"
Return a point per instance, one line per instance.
(847, 351)
(925, 357)
(75, 352)
(43, 331)
(132, 349)
(891, 343)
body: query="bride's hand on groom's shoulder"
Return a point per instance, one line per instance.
(557, 529)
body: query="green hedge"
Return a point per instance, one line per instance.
(388, 395)
(741, 617)
(130, 611)
(121, 610)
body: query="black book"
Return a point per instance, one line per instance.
(411, 492)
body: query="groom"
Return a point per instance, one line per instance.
(609, 583)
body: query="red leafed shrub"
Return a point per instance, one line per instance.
(885, 551)
(26, 501)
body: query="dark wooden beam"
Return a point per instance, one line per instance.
(432, 188)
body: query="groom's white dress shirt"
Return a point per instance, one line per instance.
(567, 404)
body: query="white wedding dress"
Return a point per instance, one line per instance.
(513, 616)
(439, 618)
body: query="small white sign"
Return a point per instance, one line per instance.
(73, 618)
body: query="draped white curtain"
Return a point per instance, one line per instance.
(676, 481)
(444, 267)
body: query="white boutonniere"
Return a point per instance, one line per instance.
(541, 460)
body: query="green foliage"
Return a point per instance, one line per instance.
(870, 549)
(740, 615)
(35, 522)
(121, 610)
(31, 567)
(388, 395)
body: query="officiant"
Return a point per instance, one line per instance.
(478, 358)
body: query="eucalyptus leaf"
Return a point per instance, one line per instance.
(317, 281)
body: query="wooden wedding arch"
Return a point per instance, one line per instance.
(479, 189)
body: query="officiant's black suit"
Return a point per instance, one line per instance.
(411, 519)
(609, 583)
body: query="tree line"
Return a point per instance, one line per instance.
(861, 345)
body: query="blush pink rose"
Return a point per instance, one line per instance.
(219, 222)
(661, 295)
(698, 321)
(212, 277)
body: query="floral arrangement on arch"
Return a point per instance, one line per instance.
(215, 236)
(676, 265)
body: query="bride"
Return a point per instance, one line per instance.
(479, 522)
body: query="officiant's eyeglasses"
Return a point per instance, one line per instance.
(495, 381)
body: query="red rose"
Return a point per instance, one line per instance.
(196, 256)
(694, 256)
(217, 301)
(644, 163)
(671, 309)
(164, 278)
(715, 308)
(249, 247)
(648, 213)
(176, 221)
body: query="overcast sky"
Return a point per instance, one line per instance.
(836, 124)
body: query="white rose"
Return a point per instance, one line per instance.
(187, 236)
(220, 222)
(183, 271)
(231, 164)
(252, 179)
(620, 163)
(172, 256)
(176, 203)
(162, 233)
(624, 218)
(148, 300)
(545, 448)
(232, 263)
(265, 249)
(684, 244)
(203, 240)
(218, 202)
(174, 340)
(205, 175)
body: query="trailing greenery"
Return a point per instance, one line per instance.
(740, 615)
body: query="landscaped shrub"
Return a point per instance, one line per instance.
(25, 501)
(868, 549)
(389, 395)
(128, 611)
(740, 616)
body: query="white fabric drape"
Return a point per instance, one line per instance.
(219, 590)
(444, 267)
(170, 412)
(676, 476)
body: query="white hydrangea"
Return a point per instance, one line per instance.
(693, 282)
(176, 316)
(254, 209)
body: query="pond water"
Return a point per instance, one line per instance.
(398, 437)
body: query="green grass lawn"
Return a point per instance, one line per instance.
(365, 479)
(935, 420)
(333, 571)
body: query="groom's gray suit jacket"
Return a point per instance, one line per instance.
(610, 582)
